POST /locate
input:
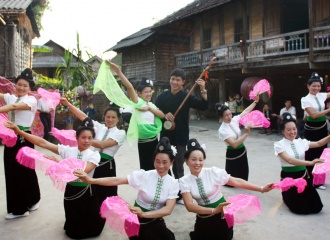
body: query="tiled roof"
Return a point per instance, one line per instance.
(133, 39)
(195, 7)
(14, 6)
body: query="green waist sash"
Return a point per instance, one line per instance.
(78, 184)
(239, 146)
(215, 204)
(143, 209)
(106, 156)
(293, 169)
(320, 119)
(25, 129)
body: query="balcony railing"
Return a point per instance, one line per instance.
(293, 43)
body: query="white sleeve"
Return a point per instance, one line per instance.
(31, 102)
(94, 158)
(119, 137)
(278, 147)
(223, 134)
(63, 150)
(173, 193)
(306, 143)
(136, 179)
(184, 186)
(220, 175)
(305, 103)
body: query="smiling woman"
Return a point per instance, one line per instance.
(157, 193)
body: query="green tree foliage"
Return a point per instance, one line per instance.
(38, 8)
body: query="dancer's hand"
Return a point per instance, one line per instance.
(219, 208)
(201, 84)
(268, 187)
(82, 175)
(64, 101)
(52, 157)
(12, 126)
(315, 161)
(113, 67)
(136, 210)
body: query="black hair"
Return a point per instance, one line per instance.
(87, 125)
(178, 72)
(193, 145)
(145, 82)
(221, 108)
(286, 118)
(315, 78)
(164, 146)
(27, 76)
(113, 107)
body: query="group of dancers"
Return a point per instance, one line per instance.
(158, 191)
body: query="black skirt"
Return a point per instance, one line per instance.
(239, 166)
(211, 228)
(306, 202)
(22, 187)
(82, 214)
(314, 135)
(146, 151)
(106, 168)
(153, 229)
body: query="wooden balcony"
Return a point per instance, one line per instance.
(278, 46)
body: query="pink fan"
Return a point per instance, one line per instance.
(287, 183)
(7, 135)
(33, 159)
(241, 208)
(6, 86)
(321, 171)
(119, 218)
(261, 87)
(51, 99)
(66, 137)
(62, 172)
(255, 118)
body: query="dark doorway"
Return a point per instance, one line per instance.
(294, 15)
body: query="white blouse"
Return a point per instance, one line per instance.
(310, 101)
(144, 117)
(146, 182)
(213, 178)
(284, 145)
(225, 131)
(114, 133)
(23, 118)
(86, 155)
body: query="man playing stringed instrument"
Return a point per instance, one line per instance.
(169, 102)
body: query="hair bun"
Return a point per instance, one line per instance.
(113, 105)
(87, 122)
(164, 146)
(193, 144)
(315, 78)
(146, 82)
(287, 117)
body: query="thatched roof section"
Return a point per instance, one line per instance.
(198, 6)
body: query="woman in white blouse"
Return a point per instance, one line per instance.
(315, 125)
(147, 117)
(150, 206)
(291, 153)
(230, 132)
(80, 203)
(204, 186)
(22, 188)
(108, 139)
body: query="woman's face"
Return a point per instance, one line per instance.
(146, 94)
(290, 131)
(111, 119)
(266, 108)
(22, 87)
(162, 163)
(314, 88)
(195, 162)
(85, 140)
(227, 116)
